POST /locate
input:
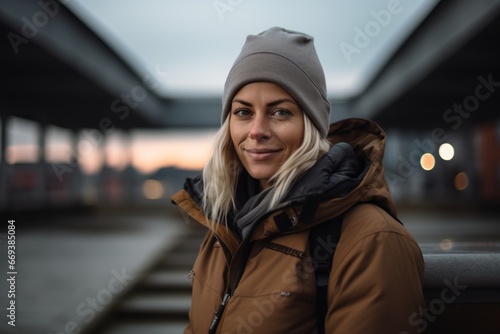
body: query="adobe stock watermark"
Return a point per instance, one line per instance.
(371, 29)
(86, 311)
(454, 118)
(121, 107)
(436, 307)
(455, 115)
(221, 7)
(32, 25)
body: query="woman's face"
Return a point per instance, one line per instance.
(266, 126)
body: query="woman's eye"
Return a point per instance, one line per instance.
(241, 112)
(282, 112)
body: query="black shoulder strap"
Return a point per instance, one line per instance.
(323, 239)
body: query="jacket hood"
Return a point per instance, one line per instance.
(368, 140)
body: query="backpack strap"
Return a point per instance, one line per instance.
(323, 240)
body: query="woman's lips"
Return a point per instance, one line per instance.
(261, 154)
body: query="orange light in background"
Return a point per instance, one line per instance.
(461, 181)
(427, 161)
(152, 189)
(446, 151)
(446, 244)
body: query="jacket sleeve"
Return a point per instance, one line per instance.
(377, 286)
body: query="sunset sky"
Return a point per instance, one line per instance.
(145, 150)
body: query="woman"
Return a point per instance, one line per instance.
(276, 172)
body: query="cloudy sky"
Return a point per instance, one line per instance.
(190, 45)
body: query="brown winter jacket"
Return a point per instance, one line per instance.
(375, 280)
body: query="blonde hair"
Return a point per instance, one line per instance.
(220, 175)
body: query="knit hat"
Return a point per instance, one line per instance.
(288, 59)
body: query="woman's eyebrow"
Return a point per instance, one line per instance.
(242, 102)
(270, 104)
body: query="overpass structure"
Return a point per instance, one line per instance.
(57, 70)
(451, 59)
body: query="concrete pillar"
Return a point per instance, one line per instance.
(129, 173)
(76, 185)
(42, 191)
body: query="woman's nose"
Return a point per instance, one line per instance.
(260, 128)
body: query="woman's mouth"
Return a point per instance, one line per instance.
(261, 154)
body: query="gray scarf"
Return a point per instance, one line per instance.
(334, 175)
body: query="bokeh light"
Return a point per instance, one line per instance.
(446, 151)
(461, 181)
(427, 161)
(446, 244)
(152, 189)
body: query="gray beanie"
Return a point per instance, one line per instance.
(288, 59)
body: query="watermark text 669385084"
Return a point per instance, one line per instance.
(11, 272)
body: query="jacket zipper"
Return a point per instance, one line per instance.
(218, 314)
(229, 292)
